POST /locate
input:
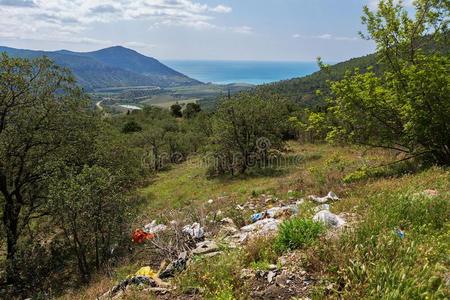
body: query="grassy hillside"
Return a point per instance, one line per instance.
(375, 202)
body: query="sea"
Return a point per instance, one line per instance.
(251, 72)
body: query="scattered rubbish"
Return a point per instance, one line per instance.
(271, 276)
(139, 236)
(400, 233)
(195, 231)
(146, 271)
(257, 217)
(205, 248)
(154, 228)
(322, 207)
(273, 267)
(262, 226)
(329, 219)
(277, 212)
(210, 201)
(228, 227)
(176, 266)
(330, 197)
(240, 207)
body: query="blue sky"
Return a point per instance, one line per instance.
(273, 30)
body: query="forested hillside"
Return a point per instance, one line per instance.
(111, 67)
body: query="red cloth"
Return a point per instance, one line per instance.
(139, 236)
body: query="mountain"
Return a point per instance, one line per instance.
(303, 90)
(111, 67)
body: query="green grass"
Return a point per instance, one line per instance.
(297, 233)
(374, 262)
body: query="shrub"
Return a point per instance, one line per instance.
(260, 252)
(297, 233)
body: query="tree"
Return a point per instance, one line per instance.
(191, 110)
(175, 109)
(131, 127)
(91, 209)
(245, 129)
(406, 108)
(42, 123)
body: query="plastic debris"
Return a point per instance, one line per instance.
(270, 276)
(176, 266)
(329, 219)
(146, 271)
(330, 197)
(400, 233)
(257, 217)
(205, 247)
(322, 207)
(195, 231)
(277, 212)
(262, 226)
(210, 201)
(139, 236)
(154, 228)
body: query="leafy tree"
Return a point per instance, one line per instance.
(245, 129)
(191, 110)
(131, 127)
(91, 209)
(42, 127)
(176, 110)
(407, 108)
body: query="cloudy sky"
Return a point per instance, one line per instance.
(190, 29)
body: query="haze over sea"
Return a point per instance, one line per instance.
(253, 72)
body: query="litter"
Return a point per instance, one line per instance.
(329, 219)
(277, 212)
(322, 207)
(139, 236)
(257, 217)
(154, 228)
(205, 248)
(331, 196)
(400, 233)
(176, 266)
(262, 226)
(146, 271)
(195, 231)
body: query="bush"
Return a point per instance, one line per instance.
(297, 233)
(260, 252)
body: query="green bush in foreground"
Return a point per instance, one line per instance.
(297, 233)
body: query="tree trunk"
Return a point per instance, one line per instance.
(11, 213)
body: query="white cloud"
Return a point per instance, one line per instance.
(325, 36)
(62, 19)
(221, 9)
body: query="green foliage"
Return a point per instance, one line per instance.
(175, 109)
(91, 211)
(407, 107)
(43, 126)
(297, 233)
(131, 127)
(245, 130)
(191, 110)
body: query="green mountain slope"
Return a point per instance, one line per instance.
(111, 67)
(303, 90)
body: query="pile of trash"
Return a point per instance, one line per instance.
(262, 223)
